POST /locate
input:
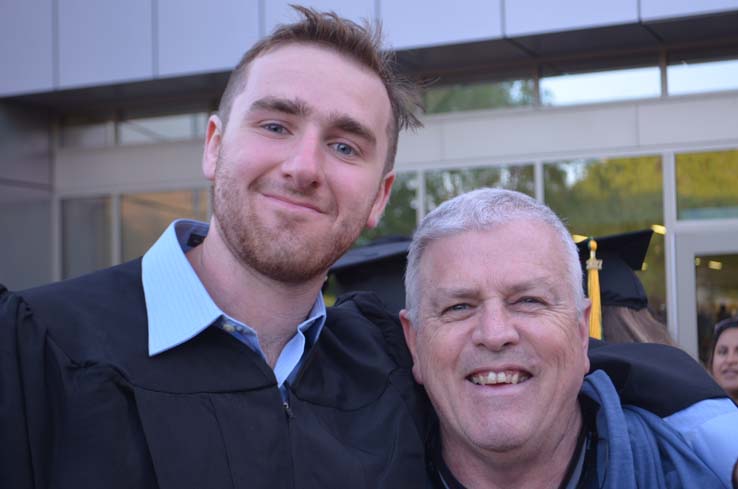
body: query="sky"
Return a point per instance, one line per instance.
(640, 83)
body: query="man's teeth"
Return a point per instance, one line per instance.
(499, 378)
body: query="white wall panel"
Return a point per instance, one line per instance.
(523, 17)
(527, 133)
(419, 146)
(279, 11)
(687, 123)
(147, 167)
(25, 46)
(495, 135)
(660, 9)
(708, 119)
(412, 23)
(104, 41)
(195, 36)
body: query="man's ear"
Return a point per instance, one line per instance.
(213, 139)
(411, 340)
(380, 201)
(583, 330)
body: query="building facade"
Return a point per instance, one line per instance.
(621, 115)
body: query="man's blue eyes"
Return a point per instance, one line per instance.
(524, 301)
(457, 307)
(530, 300)
(277, 128)
(344, 149)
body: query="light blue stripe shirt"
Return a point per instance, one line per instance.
(179, 308)
(710, 427)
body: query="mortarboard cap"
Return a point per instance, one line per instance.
(378, 267)
(621, 254)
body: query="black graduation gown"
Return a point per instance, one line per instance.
(83, 405)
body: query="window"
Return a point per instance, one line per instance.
(599, 197)
(717, 295)
(88, 135)
(604, 86)
(92, 133)
(145, 216)
(707, 185)
(86, 235)
(489, 95)
(700, 77)
(441, 185)
(165, 128)
(400, 215)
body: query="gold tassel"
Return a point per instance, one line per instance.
(593, 291)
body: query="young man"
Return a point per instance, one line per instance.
(212, 362)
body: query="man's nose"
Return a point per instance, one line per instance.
(304, 166)
(495, 328)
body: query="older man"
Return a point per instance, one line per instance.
(496, 323)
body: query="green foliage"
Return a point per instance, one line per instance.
(400, 215)
(707, 182)
(490, 95)
(609, 196)
(441, 185)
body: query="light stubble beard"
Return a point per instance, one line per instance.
(281, 252)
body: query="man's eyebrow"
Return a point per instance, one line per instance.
(296, 106)
(529, 285)
(277, 104)
(441, 294)
(540, 285)
(350, 125)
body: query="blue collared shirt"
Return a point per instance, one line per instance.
(179, 308)
(710, 427)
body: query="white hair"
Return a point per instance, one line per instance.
(480, 210)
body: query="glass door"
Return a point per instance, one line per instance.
(707, 285)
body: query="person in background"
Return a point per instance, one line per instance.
(723, 360)
(624, 304)
(377, 267)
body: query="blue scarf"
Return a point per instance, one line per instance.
(637, 449)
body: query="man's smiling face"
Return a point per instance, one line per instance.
(500, 346)
(298, 171)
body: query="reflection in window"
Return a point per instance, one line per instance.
(86, 230)
(599, 197)
(145, 216)
(717, 295)
(707, 185)
(88, 135)
(400, 215)
(605, 86)
(702, 77)
(489, 95)
(441, 185)
(165, 128)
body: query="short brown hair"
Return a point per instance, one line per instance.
(361, 43)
